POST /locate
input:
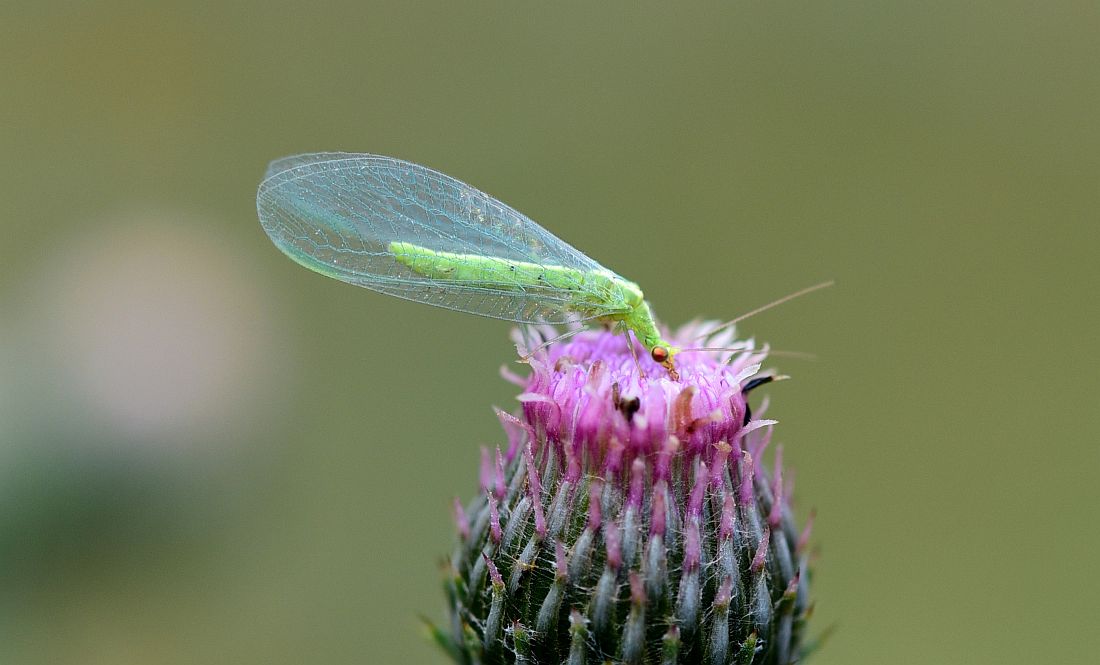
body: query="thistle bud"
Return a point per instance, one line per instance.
(628, 517)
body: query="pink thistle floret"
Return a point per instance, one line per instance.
(584, 395)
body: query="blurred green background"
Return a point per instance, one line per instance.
(208, 454)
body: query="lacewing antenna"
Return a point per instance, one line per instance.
(801, 355)
(774, 303)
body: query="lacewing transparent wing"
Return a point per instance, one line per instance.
(339, 214)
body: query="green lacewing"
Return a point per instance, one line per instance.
(408, 231)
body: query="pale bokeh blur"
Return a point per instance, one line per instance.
(152, 328)
(208, 454)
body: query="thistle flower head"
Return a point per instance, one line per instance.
(629, 517)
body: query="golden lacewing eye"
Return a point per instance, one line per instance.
(659, 354)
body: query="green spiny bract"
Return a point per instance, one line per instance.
(630, 521)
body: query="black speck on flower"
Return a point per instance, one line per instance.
(630, 518)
